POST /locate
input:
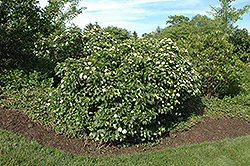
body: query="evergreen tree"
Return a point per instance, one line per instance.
(135, 35)
(91, 26)
(228, 15)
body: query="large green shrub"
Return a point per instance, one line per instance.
(63, 44)
(240, 38)
(25, 37)
(212, 56)
(21, 24)
(120, 91)
(73, 43)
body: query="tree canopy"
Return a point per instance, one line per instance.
(177, 19)
(118, 33)
(91, 26)
(23, 22)
(182, 27)
(227, 15)
(18, 28)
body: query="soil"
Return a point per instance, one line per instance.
(206, 130)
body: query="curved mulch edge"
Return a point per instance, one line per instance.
(205, 131)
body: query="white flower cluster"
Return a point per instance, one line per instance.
(123, 131)
(129, 78)
(83, 77)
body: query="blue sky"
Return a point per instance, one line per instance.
(143, 16)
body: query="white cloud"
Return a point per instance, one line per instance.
(123, 12)
(138, 15)
(130, 4)
(183, 12)
(116, 4)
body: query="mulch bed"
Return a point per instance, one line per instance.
(205, 131)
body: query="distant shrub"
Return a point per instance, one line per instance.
(213, 57)
(73, 42)
(120, 34)
(18, 78)
(240, 38)
(120, 91)
(61, 45)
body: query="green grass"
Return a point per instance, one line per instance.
(17, 150)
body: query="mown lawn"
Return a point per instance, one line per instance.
(17, 150)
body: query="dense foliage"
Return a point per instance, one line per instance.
(108, 84)
(19, 31)
(240, 38)
(72, 42)
(121, 91)
(23, 23)
(60, 45)
(227, 15)
(119, 34)
(180, 27)
(213, 58)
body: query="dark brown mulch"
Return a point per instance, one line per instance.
(206, 130)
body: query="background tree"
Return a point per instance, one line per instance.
(177, 20)
(152, 34)
(241, 40)
(135, 35)
(203, 24)
(177, 28)
(24, 22)
(180, 27)
(212, 56)
(63, 11)
(157, 31)
(91, 26)
(19, 30)
(119, 34)
(228, 15)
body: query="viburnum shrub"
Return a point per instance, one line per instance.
(219, 68)
(63, 44)
(121, 91)
(248, 62)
